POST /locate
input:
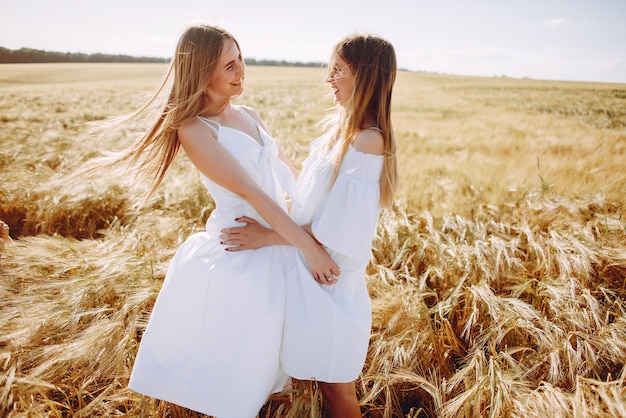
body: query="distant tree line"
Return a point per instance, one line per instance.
(283, 63)
(28, 55)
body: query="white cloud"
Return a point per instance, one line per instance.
(555, 22)
(617, 64)
(550, 50)
(480, 53)
(168, 40)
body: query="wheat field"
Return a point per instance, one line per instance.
(498, 279)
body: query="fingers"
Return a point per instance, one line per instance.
(241, 219)
(245, 219)
(232, 244)
(230, 235)
(230, 240)
(326, 278)
(227, 232)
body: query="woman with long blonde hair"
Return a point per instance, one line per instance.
(350, 174)
(213, 340)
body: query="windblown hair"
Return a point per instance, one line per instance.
(372, 60)
(192, 66)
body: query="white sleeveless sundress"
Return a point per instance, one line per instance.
(213, 340)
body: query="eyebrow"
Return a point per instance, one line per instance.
(231, 62)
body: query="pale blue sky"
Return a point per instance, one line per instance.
(543, 39)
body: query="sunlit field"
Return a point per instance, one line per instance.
(498, 280)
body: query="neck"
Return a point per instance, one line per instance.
(215, 108)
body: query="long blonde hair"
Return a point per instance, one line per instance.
(191, 68)
(372, 60)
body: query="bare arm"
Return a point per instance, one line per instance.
(253, 235)
(222, 168)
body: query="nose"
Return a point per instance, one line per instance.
(240, 69)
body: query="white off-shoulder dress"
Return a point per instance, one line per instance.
(213, 340)
(327, 327)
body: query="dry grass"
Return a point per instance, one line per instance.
(479, 316)
(497, 281)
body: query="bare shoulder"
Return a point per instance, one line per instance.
(194, 130)
(369, 141)
(253, 113)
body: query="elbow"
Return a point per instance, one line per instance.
(249, 191)
(250, 194)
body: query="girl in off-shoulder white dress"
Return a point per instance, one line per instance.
(349, 175)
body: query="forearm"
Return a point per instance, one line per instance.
(309, 230)
(223, 169)
(284, 231)
(274, 238)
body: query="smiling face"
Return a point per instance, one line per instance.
(227, 79)
(341, 80)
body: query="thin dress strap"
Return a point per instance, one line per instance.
(215, 127)
(260, 139)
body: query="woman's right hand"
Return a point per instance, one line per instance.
(321, 265)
